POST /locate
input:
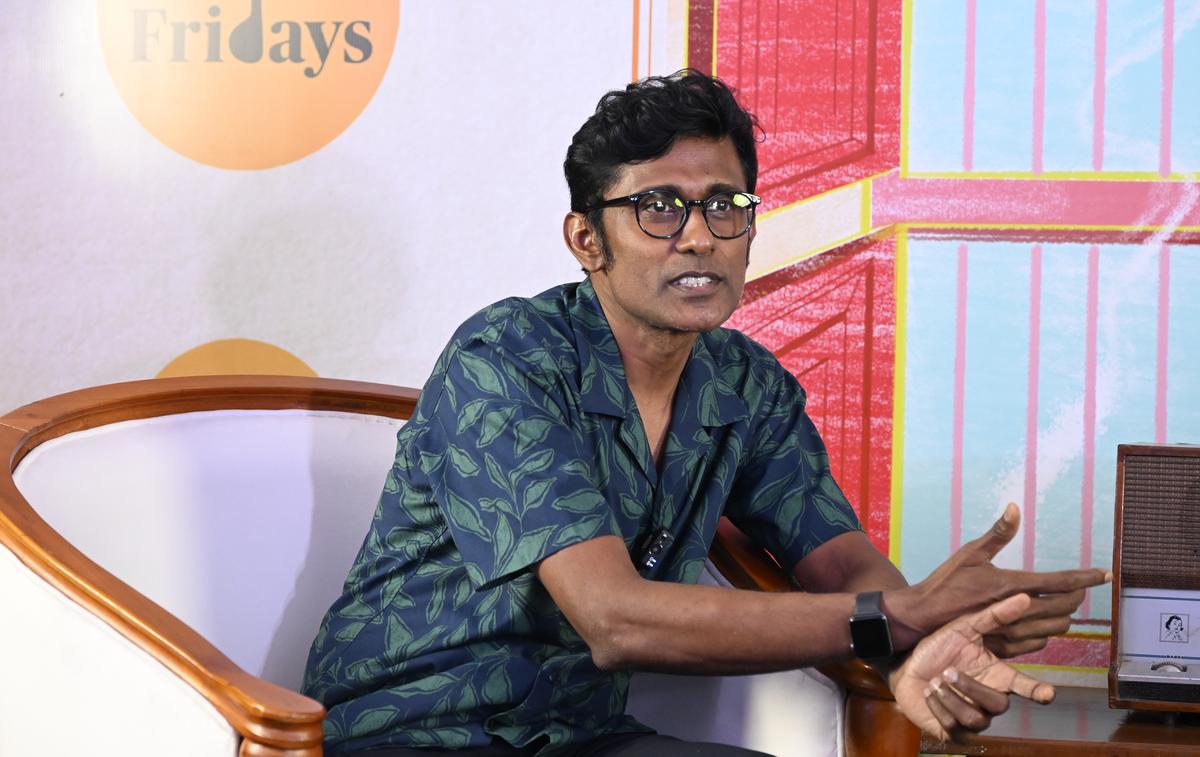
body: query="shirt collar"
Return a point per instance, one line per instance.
(717, 403)
(605, 389)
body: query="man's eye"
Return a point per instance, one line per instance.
(720, 205)
(659, 206)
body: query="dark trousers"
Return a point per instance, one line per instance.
(616, 745)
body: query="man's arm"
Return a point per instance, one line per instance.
(951, 682)
(632, 623)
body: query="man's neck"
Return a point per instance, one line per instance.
(654, 362)
(653, 358)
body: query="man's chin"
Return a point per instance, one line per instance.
(699, 324)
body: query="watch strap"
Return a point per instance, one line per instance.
(868, 603)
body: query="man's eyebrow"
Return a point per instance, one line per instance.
(709, 191)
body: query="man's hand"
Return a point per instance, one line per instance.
(968, 581)
(952, 683)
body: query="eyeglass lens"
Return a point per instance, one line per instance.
(728, 214)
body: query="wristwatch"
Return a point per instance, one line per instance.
(870, 636)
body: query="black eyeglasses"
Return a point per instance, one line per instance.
(661, 213)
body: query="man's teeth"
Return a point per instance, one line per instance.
(694, 281)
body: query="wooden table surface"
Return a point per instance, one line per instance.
(1078, 723)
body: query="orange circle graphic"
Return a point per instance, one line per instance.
(247, 84)
(236, 356)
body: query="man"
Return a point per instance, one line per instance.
(555, 494)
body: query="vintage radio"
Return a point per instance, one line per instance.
(1154, 658)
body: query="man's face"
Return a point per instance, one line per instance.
(691, 282)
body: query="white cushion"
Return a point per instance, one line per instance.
(73, 686)
(212, 516)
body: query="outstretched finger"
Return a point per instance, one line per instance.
(1031, 688)
(1000, 534)
(1061, 581)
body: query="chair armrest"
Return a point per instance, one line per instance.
(874, 724)
(748, 566)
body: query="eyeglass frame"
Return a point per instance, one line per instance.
(633, 199)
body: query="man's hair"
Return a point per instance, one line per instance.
(644, 120)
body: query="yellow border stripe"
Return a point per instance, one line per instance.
(1060, 668)
(901, 279)
(905, 82)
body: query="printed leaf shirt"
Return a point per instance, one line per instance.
(525, 440)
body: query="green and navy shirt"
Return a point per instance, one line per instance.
(526, 440)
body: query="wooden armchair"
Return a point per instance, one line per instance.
(167, 549)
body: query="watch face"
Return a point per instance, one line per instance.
(870, 637)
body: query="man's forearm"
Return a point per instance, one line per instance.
(632, 623)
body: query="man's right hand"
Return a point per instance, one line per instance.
(968, 582)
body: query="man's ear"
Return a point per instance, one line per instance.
(583, 241)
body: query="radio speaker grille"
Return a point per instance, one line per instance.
(1160, 522)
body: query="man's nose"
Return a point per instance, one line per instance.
(695, 236)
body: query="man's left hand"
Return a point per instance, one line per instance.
(970, 581)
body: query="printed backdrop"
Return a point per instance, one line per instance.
(978, 250)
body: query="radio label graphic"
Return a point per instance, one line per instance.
(1173, 627)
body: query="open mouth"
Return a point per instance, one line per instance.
(696, 281)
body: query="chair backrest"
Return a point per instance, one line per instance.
(241, 523)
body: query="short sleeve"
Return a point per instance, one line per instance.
(785, 497)
(510, 473)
